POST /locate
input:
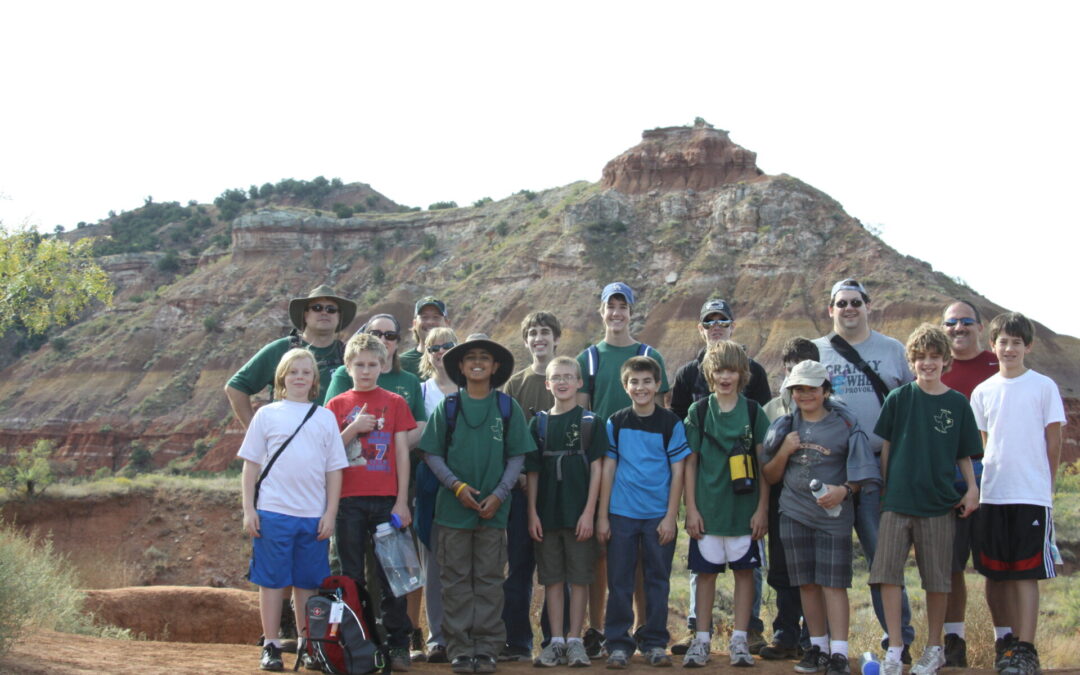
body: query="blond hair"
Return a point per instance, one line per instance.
(726, 355)
(283, 366)
(436, 336)
(364, 342)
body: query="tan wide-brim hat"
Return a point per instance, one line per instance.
(503, 357)
(346, 308)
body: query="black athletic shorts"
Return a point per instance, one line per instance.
(1012, 541)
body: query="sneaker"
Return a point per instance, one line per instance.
(658, 658)
(399, 659)
(838, 665)
(484, 663)
(697, 654)
(639, 640)
(680, 648)
(905, 655)
(1023, 661)
(774, 651)
(755, 641)
(812, 661)
(552, 655)
(932, 659)
(510, 653)
(576, 657)
(462, 664)
(1003, 651)
(271, 658)
(437, 654)
(309, 662)
(416, 647)
(594, 644)
(618, 660)
(892, 667)
(740, 654)
(955, 651)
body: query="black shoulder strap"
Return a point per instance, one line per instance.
(588, 424)
(592, 362)
(541, 428)
(850, 354)
(270, 464)
(453, 402)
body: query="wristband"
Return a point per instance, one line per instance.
(461, 487)
(849, 491)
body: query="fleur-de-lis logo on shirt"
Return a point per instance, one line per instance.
(943, 421)
(497, 430)
(573, 436)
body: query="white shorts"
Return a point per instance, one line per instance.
(724, 550)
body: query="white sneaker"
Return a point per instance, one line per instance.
(740, 653)
(931, 660)
(697, 654)
(892, 667)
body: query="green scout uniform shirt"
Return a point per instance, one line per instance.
(609, 394)
(725, 513)
(560, 503)
(475, 455)
(410, 362)
(258, 373)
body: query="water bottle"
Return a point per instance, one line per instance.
(868, 664)
(818, 489)
(397, 555)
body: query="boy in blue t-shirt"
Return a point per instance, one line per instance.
(640, 488)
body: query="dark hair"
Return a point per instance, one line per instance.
(1013, 324)
(540, 319)
(978, 316)
(639, 364)
(799, 349)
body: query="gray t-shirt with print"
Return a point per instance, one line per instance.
(822, 454)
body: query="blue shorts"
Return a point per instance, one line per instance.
(750, 559)
(288, 553)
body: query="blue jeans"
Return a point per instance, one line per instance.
(867, 517)
(517, 589)
(629, 537)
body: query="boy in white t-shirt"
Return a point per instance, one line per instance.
(293, 514)
(1020, 415)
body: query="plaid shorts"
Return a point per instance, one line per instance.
(814, 557)
(933, 540)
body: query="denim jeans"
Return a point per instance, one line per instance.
(357, 518)
(867, 517)
(517, 589)
(629, 536)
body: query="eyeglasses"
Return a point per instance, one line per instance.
(841, 304)
(966, 321)
(391, 335)
(444, 346)
(562, 378)
(329, 309)
(723, 323)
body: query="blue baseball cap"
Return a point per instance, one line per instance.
(617, 288)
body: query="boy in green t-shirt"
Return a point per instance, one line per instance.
(474, 443)
(929, 430)
(563, 484)
(727, 514)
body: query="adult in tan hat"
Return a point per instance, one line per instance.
(316, 318)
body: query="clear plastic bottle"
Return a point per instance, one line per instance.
(397, 555)
(818, 489)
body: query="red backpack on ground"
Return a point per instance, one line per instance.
(341, 629)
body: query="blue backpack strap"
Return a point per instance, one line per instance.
(453, 403)
(541, 428)
(643, 349)
(506, 410)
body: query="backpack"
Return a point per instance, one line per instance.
(592, 363)
(453, 405)
(752, 408)
(750, 457)
(348, 646)
(588, 421)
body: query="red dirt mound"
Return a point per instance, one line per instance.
(180, 613)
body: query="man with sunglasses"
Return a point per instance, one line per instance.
(970, 366)
(430, 313)
(317, 319)
(864, 366)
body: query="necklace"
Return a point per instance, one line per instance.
(461, 410)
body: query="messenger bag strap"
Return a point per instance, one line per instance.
(270, 464)
(844, 349)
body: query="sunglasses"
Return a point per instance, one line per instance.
(966, 321)
(329, 309)
(391, 335)
(841, 304)
(709, 323)
(446, 346)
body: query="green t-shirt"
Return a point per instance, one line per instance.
(725, 513)
(927, 434)
(410, 362)
(560, 503)
(608, 394)
(258, 373)
(406, 385)
(527, 388)
(475, 455)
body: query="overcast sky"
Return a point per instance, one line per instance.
(953, 127)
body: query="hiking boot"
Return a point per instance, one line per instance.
(892, 667)
(594, 644)
(838, 665)
(575, 655)
(399, 659)
(1024, 660)
(812, 661)
(955, 651)
(680, 648)
(905, 655)
(510, 653)
(462, 664)
(618, 660)
(271, 658)
(437, 654)
(416, 647)
(658, 658)
(484, 663)
(739, 652)
(697, 655)
(755, 640)
(774, 651)
(1003, 650)
(552, 655)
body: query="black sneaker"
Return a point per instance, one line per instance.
(399, 659)
(812, 661)
(594, 644)
(955, 651)
(462, 664)
(680, 648)
(271, 658)
(774, 651)
(1003, 650)
(838, 665)
(416, 647)
(1024, 660)
(437, 654)
(905, 656)
(510, 653)
(483, 663)
(755, 641)
(638, 639)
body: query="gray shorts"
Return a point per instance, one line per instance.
(815, 557)
(561, 558)
(933, 540)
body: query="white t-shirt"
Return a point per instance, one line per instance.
(432, 396)
(1014, 413)
(296, 484)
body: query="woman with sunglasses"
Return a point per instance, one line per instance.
(435, 388)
